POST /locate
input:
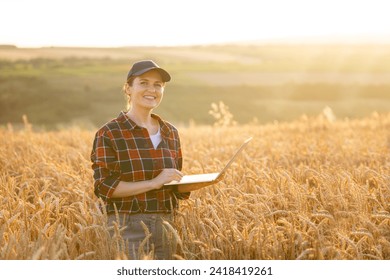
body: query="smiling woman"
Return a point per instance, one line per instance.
(133, 157)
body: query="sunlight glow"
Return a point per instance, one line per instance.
(109, 23)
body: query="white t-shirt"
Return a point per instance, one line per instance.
(156, 138)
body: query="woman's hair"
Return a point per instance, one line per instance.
(125, 88)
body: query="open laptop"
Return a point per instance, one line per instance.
(209, 177)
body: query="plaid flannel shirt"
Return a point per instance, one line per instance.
(123, 151)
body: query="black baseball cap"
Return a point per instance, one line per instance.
(144, 66)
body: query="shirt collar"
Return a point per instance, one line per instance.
(165, 129)
(130, 124)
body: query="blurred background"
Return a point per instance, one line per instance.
(64, 63)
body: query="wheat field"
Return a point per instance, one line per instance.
(313, 188)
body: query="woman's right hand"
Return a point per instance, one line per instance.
(166, 176)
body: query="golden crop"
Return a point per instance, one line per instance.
(314, 188)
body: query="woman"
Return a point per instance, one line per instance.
(133, 157)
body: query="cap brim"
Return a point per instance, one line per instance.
(164, 74)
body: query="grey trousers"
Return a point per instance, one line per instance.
(146, 234)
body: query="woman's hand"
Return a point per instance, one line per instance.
(166, 176)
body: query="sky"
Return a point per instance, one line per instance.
(118, 23)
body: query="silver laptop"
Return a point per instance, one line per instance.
(209, 177)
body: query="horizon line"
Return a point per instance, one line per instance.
(319, 40)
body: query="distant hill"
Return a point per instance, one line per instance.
(258, 82)
(7, 47)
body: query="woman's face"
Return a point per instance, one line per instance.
(146, 90)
